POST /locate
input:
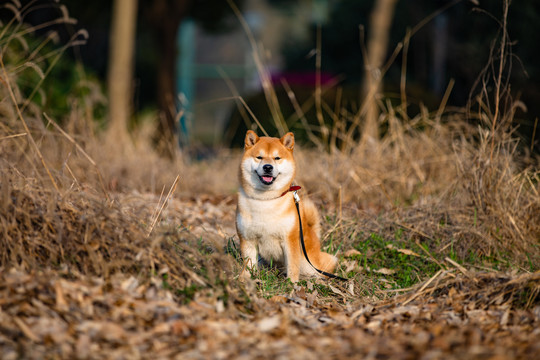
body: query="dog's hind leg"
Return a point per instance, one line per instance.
(327, 262)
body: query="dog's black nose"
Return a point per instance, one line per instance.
(268, 168)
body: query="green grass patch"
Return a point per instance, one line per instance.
(397, 263)
(271, 281)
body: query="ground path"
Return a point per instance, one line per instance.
(57, 313)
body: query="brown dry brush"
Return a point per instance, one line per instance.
(58, 205)
(442, 174)
(81, 231)
(431, 168)
(504, 202)
(486, 290)
(464, 167)
(503, 193)
(83, 227)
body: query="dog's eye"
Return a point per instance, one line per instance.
(277, 158)
(259, 157)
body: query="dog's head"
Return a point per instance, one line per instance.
(268, 166)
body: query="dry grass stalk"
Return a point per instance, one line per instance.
(12, 136)
(420, 291)
(88, 157)
(25, 125)
(165, 201)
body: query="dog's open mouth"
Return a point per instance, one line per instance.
(266, 179)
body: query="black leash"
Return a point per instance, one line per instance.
(296, 202)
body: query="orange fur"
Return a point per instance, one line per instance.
(266, 222)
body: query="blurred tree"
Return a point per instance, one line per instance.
(380, 24)
(120, 76)
(164, 17)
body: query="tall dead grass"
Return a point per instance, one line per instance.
(62, 190)
(462, 167)
(454, 184)
(444, 182)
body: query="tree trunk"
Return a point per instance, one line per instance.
(165, 17)
(120, 75)
(379, 30)
(166, 88)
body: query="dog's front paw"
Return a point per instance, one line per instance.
(294, 277)
(248, 273)
(245, 275)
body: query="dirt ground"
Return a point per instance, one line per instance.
(457, 314)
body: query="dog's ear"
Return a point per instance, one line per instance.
(251, 139)
(288, 140)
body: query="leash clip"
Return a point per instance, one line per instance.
(296, 197)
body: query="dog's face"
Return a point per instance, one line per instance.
(268, 165)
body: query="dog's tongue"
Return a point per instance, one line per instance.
(267, 178)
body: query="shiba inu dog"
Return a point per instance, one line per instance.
(266, 218)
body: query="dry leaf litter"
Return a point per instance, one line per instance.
(113, 297)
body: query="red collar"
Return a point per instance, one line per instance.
(292, 188)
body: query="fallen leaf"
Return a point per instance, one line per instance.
(385, 271)
(336, 290)
(61, 302)
(352, 252)
(408, 252)
(279, 299)
(82, 346)
(26, 330)
(351, 288)
(180, 327)
(269, 323)
(162, 328)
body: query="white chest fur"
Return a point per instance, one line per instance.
(266, 223)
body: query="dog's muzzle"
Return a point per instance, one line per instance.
(267, 178)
